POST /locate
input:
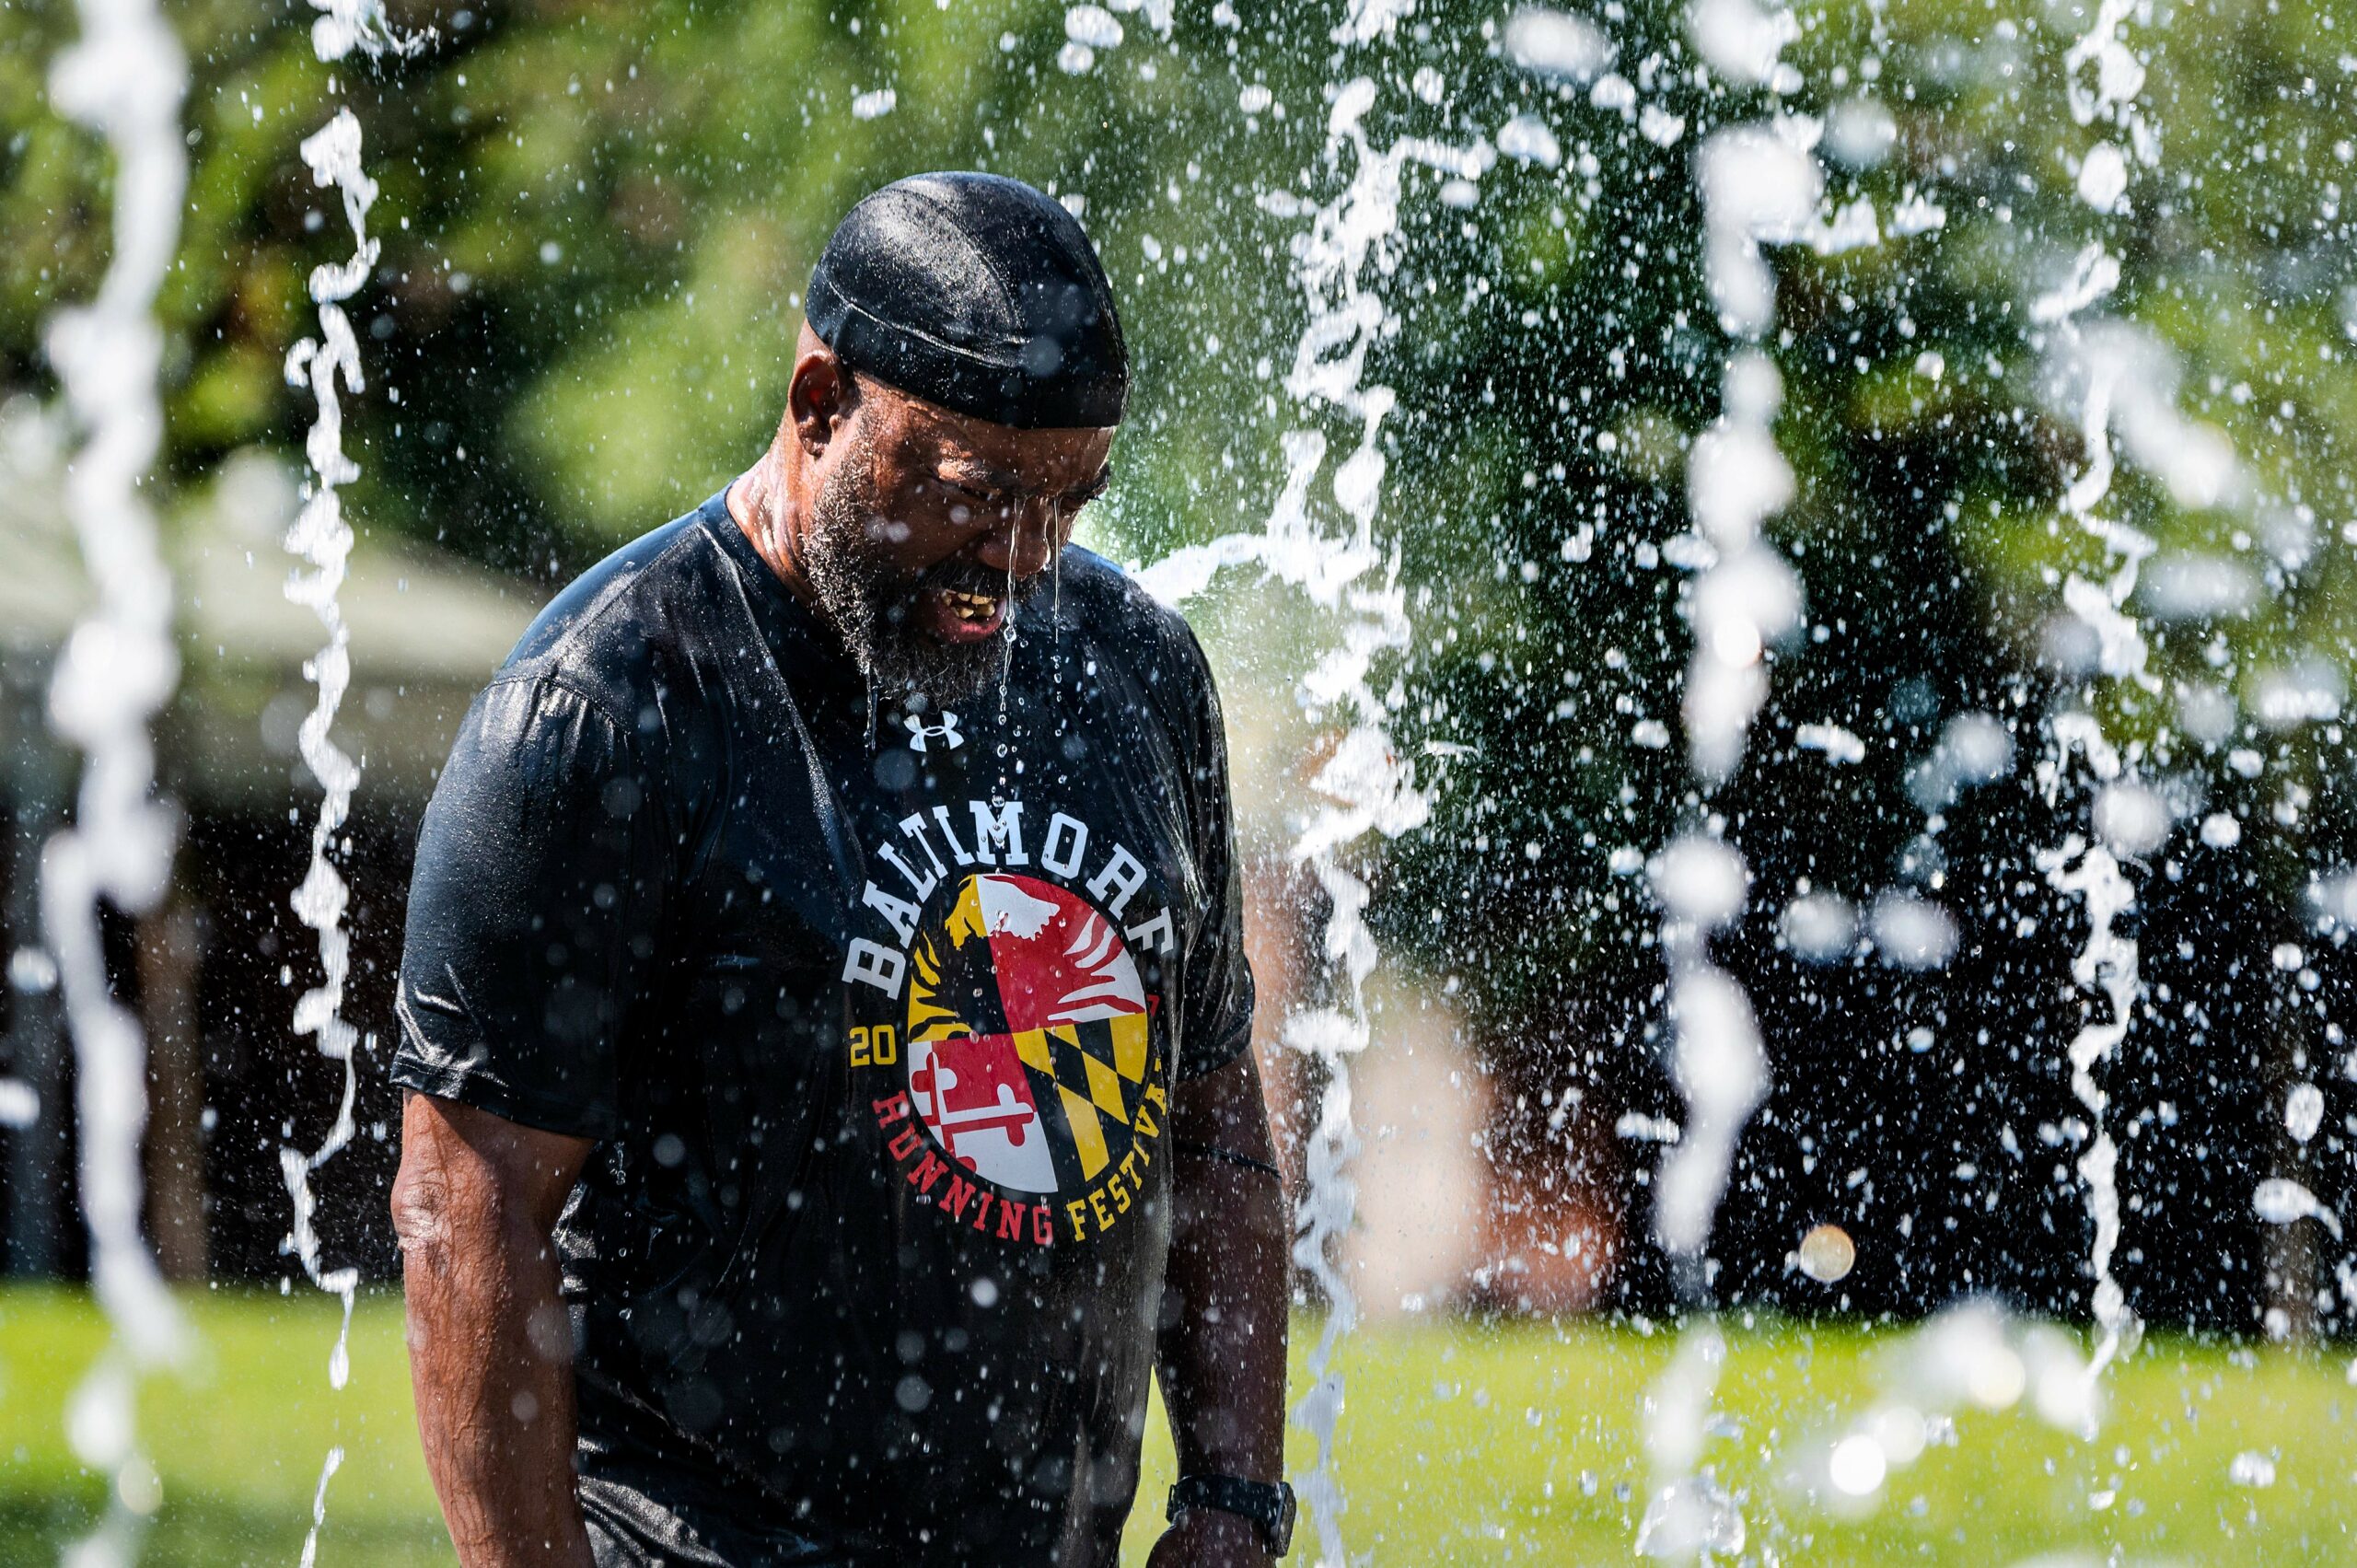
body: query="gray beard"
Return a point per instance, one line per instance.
(876, 616)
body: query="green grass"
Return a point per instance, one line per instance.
(1461, 1444)
(239, 1438)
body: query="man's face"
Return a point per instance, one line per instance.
(930, 525)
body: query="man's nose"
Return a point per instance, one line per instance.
(1019, 545)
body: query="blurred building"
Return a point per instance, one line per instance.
(216, 969)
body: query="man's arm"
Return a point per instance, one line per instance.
(1221, 1350)
(491, 1351)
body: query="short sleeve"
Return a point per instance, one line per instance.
(1216, 1012)
(533, 912)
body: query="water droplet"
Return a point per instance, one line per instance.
(1857, 1466)
(1827, 1254)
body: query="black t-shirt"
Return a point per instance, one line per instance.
(875, 1018)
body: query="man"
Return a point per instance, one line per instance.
(825, 996)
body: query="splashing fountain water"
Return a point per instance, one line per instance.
(1364, 785)
(322, 538)
(126, 78)
(2126, 819)
(1760, 186)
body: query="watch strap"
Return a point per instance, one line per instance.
(1268, 1506)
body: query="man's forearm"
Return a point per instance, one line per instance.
(491, 1358)
(491, 1351)
(1223, 1352)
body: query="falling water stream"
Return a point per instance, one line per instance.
(1362, 784)
(2122, 814)
(1760, 186)
(322, 538)
(126, 78)
(2128, 819)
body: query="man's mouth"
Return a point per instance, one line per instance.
(956, 616)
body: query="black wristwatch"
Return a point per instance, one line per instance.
(1269, 1508)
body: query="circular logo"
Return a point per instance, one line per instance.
(1029, 1036)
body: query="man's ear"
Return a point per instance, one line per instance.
(820, 399)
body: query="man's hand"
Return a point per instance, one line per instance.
(1207, 1537)
(491, 1349)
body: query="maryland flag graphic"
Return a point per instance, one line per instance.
(1030, 1052)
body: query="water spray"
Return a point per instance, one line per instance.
(2127, 820)
(1364, 786)
(126, 78)
(1761, 186)
(322, 538)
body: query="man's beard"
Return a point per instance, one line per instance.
(875, 612)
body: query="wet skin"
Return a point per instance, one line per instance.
(938, 489)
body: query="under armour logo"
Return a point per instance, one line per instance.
(944, 732)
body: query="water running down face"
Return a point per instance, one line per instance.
(929, 529)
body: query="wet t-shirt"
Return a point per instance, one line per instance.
(876, 1014)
